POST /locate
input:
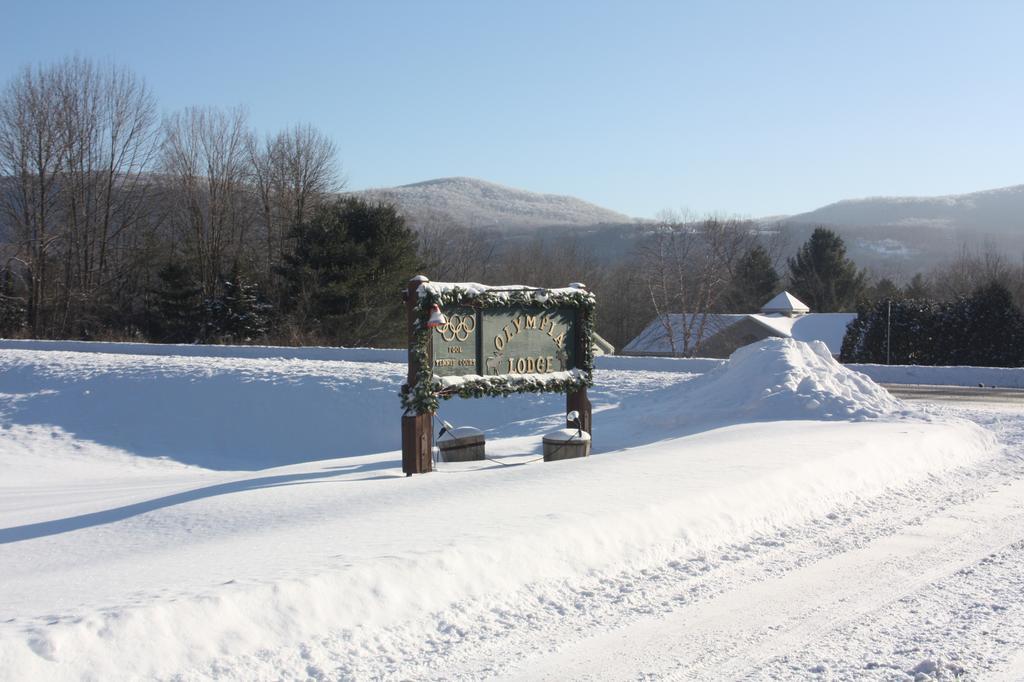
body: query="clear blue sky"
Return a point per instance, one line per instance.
(749, 108)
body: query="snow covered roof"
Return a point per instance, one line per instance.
(656, 338)
(785, 303)
(828, 328)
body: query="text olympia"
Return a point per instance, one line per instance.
(522, 322)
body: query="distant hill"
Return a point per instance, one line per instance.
(996, 211)
(904, 234)
(890, 234)
(477, 203)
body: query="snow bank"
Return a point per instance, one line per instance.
(249, 585)
(236, 414)
(210, 351)
(1005, 377)
(217, 413)
(1002, 377)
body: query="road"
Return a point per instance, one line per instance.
(924, 585)
(958, 394)
(757, 628)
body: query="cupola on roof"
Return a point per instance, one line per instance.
(785, 304)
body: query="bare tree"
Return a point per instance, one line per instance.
(307, 169)
(293, 172)
(453, 252)
(550, 260)
(30, 160)
(972, 269)
(205, 155)
(106, 128)
(624, 307)
(686, 268)
(96, 198)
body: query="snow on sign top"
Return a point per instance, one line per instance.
(785, 303)
(477, 289)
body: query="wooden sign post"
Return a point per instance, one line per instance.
(417, 431)
(577, 400)
(471, 340)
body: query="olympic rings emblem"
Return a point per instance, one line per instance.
(458, 327)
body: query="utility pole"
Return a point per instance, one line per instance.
(888, 330)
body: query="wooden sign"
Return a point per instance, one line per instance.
(492, 341)
(496, 341)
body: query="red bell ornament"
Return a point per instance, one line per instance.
(437, 318)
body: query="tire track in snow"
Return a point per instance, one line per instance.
(736, 633)
(960, 627)
(967, 524)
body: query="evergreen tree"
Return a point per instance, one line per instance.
(984, 329)
(883, 290)
(344, 271)
(822, 276)
(13, 317)
(239, 313)
(754, 282)
(904, 332)
(990, 329)
(178, 305)
(917, 287)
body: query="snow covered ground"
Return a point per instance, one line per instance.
(1007, 377)
(246, 518)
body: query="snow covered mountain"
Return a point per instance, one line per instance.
(477, 203)
(903, 234)
(996, 211)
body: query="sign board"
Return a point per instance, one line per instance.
(472, 341)
(506, 340)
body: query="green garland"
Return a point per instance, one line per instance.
(425, 395)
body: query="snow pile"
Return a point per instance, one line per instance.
(777, 379)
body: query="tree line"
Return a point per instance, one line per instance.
(110, 211)
(985, 328)
(121, 223)
(693, 271)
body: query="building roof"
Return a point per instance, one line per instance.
(826, 327)
(655, 337)
(785, 303)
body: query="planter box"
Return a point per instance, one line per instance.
(464, 444)
(566, 444)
